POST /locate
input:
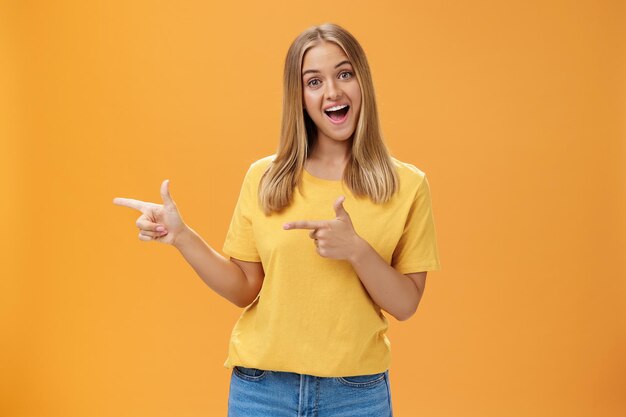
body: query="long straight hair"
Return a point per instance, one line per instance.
(370, 170)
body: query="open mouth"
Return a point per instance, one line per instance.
(338, 115)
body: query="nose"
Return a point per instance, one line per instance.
(333, 92)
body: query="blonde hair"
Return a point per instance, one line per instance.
(370, 170)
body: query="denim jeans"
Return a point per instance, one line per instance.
(260, 393)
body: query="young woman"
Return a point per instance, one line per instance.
(326, 234)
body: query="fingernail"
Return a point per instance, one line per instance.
(160, 228)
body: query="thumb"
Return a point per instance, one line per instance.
(165, 193)
(340, 211)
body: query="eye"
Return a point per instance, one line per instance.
(346, 75)
(313, 82)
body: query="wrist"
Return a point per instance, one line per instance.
(360, 251)
(183, 237)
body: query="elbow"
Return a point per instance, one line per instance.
(405, 314)
(408, 312)
(239, 303)
(242, 302)
(245, 301)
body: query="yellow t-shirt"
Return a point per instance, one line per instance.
(313, 316)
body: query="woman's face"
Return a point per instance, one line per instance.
(331, 92)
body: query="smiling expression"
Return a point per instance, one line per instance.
(331, 92)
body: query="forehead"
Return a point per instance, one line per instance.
(322, 55)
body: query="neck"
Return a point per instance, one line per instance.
(331, 151)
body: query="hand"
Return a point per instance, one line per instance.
(158, 222)
(334, 239)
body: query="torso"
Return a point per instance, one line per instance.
(311, 309)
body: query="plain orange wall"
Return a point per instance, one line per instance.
(516, 111)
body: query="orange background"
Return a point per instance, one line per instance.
(515, 111)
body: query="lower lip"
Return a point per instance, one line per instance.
(340, 121)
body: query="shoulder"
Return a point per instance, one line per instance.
(263, 163)
(258, 167)
(410, 176)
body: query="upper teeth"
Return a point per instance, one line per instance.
(337, 107)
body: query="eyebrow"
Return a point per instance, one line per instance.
(336, 66)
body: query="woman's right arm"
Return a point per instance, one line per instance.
(237, 281)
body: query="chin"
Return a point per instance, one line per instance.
(342, 138)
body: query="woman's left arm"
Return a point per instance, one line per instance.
(396, 293)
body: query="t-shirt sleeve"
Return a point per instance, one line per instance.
(417, 248)
(240, 243)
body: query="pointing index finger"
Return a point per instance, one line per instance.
(304, 224)
(131, 203)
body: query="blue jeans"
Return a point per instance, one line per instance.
(259, 393)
